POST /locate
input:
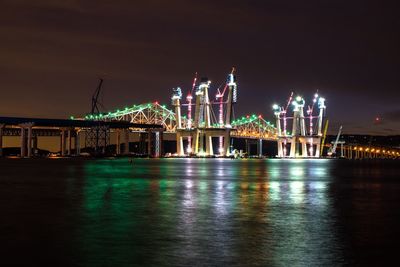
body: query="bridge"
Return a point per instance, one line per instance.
(95, 134)
(356, 151)
(207, 119)
(211, 119)
(199, 123)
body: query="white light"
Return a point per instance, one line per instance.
(230, 78)
(316, 95)
(298, 98)
(275, 106)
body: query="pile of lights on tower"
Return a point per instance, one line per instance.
(300, 136)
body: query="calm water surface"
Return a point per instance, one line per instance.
(199, 212)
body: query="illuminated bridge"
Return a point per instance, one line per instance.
(248, 127)
(206, 119)
(200, 124)
(197, 120)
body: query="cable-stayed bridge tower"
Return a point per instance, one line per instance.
(303, 143)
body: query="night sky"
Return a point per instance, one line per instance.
(53, 52)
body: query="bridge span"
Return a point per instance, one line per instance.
(93, 135)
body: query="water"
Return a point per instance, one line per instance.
(198, 212)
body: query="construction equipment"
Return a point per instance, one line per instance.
(332, 150)
(97, 138)
(95, 97)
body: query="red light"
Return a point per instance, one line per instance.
(156, 102)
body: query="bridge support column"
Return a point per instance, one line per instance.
(69, 132)
(157, 145)
(209, 145)
(77, 143)
(23, 142)
(227, 141)
(304, 152)
(126, 141)
(29, 154)
(195, 143)
(1, 139)
(259, 148)
(200, 147)
(293, 146)
(118, 143)
(35, 144)
(26, 145)
(179, 144)
(63, 142)
(280, 148)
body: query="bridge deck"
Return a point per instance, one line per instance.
(40, 122)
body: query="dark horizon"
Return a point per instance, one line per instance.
(54, 52)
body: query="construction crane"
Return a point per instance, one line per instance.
(332, 151)
(95, 97)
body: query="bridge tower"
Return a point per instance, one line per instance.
(322, 107)
(277, 112)
(231, 100)
(202, 119)
(302, 143)
(176, 102)
(298, 129)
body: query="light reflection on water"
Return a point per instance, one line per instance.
(200, 212)
(215, 211)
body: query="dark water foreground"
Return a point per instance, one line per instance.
(199, 212)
